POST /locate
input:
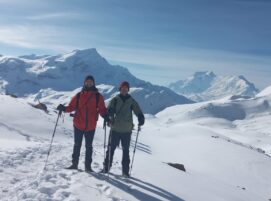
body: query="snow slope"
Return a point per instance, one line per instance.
(205, 86)
(264, 92)
(28, 75)
(224, 145)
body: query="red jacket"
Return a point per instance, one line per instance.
(86, 116)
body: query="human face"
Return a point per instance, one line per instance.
(89, 83)
(124, 90)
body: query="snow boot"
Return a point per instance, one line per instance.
(125, 175)
(89, 169)
(72, 167)
(104, 171)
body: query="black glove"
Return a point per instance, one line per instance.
(106, 118)
(61, 108)
(141, 119)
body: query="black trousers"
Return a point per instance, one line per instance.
(114, 139)
(78, 138)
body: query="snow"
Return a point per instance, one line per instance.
(265, 92)
(225, 146)
(204, 86)
(224, 141)
(28, 75)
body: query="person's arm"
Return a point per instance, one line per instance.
(72, 105)
(111, 108)
(138, 112)
(101, 106)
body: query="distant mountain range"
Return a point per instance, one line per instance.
(31, 74)
(205, 86)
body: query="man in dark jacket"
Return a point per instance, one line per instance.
(87, 104)
(120, 111)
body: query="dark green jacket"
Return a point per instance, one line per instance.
(121, 112)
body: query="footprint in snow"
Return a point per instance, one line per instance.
(48, 189)
(104, 188)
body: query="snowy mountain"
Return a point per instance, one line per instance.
(28, 75)
(223, 144)
(204, 86)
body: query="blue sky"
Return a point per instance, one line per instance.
(158, 40)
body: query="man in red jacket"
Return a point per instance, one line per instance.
(87, 104)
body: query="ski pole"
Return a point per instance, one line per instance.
(50, 147)
(138, 130)
(110, 149)
(104, 139)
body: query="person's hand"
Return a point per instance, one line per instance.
(61, 108)
(141, 120)
(109, 123)
(107, 120)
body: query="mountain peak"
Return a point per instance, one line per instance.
(85, 51)
(241, 77)
(204, 74)
(87, 55)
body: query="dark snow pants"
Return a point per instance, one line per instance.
(78, 138)
(115, 138)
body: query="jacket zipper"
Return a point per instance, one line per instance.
(86, 118)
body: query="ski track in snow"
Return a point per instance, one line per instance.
(221, 136)
(27, 137)
(228, 139)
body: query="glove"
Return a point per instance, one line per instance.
(141, 119)
(107, 120)
(109, 123)
(61, 108)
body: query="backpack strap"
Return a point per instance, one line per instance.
(77, 100)
(115, 104)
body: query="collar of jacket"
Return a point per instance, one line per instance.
(93, 89)
(124, 98)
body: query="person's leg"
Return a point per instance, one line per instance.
(125, 143)
(89, 140)
(112, 145)
(78, 137)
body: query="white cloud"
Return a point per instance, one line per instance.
(34, 37)
(58, 15)
(181, 62)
